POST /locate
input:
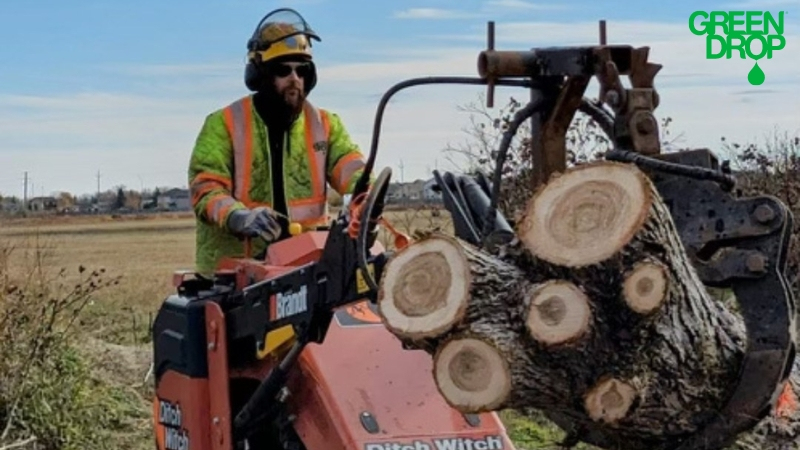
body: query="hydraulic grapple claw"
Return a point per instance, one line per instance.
(740, 244)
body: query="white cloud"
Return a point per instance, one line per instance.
(432, 13)
(759, 4)
(162, 70)
(62, 142)
(135, 139)
(524, 5)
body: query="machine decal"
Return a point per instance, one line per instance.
(358, 314)
(361, 283)
(170, 420)
(493, 442)
(286, 304)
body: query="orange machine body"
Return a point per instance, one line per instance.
(359, 389)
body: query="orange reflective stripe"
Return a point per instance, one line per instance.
(248, 124)
(317, 148)
(306, 211)
(218, 207)
(326, 124)
(345, 169)
(200, 189)
(238, 118)
(316, 186)
(227, 114)
(205, 176)
(307, 201)
(205, 183)
(260, 204)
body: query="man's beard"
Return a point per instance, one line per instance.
(280, 108)
(293, 98)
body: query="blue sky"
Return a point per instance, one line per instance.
(122, 87)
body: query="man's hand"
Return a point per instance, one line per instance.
(258, 222)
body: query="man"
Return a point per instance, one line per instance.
(265, 160)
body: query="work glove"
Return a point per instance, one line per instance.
(259, 222)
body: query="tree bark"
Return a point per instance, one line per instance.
(594, 316)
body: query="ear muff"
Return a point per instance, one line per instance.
(311, 79)
(253, 79)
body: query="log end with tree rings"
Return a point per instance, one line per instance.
(471, 375)
(645, 287)
(609, 401)
(586, 214)
(558, 312)
(425, 288)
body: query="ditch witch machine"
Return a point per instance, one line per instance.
(286, 349)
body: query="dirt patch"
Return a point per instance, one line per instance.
(125, 365)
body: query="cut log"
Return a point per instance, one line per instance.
(425, 289)
(610, 400)
(594, 316)
(645, 287)
(558, 312)
(472, 375)
(586, 215)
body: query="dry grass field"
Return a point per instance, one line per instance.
(143, 253)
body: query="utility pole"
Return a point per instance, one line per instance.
(402, 177)
(25, 195)
(603, 35)
(98, 186)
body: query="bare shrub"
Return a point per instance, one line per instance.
(47, 391)
(772, 168)
(585, 141)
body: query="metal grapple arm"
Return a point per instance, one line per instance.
(733, 242)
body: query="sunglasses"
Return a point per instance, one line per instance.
(283, 70)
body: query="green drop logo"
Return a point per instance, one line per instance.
(756, 75)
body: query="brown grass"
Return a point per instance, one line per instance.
(143, 254)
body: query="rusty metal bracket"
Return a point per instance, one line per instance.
(635, 127)
(549, 145)
(561, 76)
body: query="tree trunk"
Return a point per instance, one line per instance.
(594, 316)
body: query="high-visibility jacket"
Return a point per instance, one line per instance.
(230, 170)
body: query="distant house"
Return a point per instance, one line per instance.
(417, 191)
(175, 200)
(43, 204)
(10, 204)
(404, 192)
(103, 206)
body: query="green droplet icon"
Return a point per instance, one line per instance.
(756, 75)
